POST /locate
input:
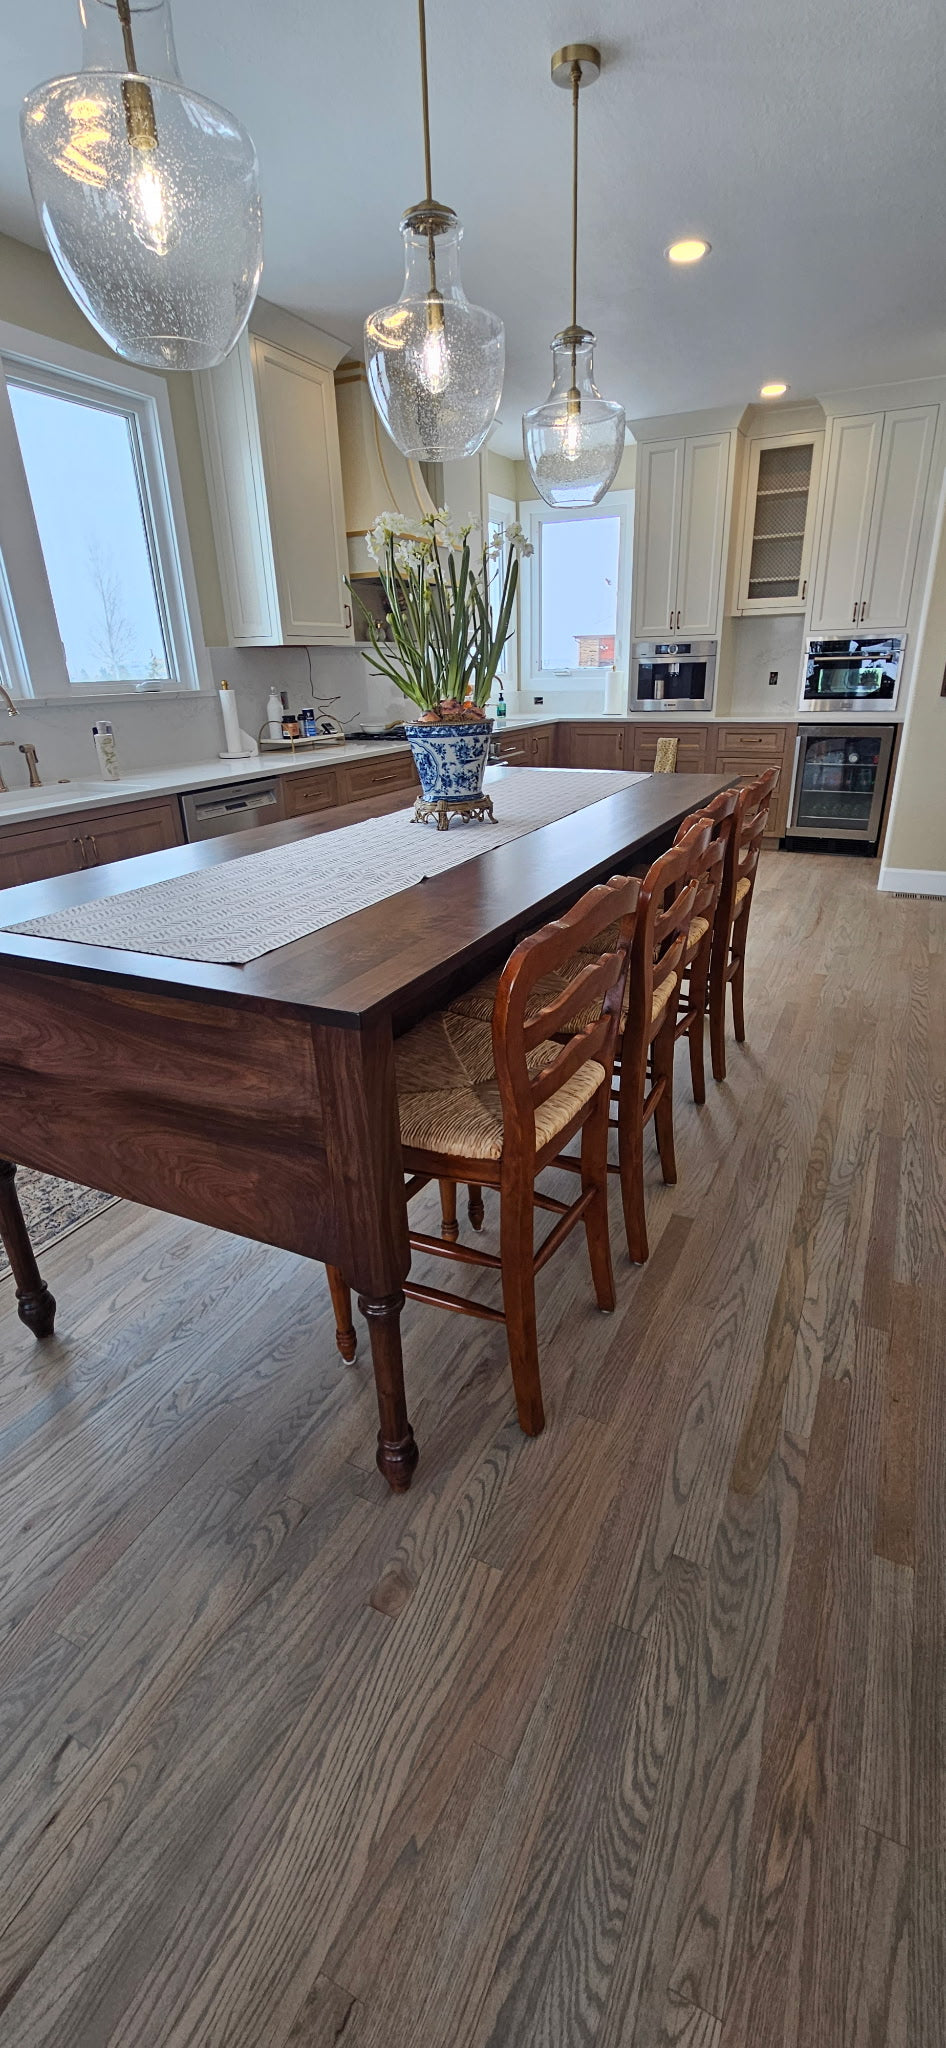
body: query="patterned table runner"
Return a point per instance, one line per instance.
(246, 907)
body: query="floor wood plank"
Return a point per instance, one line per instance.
(633, 1735)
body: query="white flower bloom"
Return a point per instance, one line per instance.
(517, 540)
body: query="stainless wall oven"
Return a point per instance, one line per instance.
(859, 673)
(673, 675)
(840, 783)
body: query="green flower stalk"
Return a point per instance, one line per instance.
(447, 638)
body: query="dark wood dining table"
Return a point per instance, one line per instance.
(261, 1099)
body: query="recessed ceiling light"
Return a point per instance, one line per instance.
(773, 390)
(689, 250)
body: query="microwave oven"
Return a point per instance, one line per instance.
(860, 672)
(673, 675)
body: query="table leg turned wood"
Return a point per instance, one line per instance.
(35, 1305)
(397, 1451)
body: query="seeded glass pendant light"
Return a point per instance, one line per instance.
(434, 362)
(147, 194)
(574, 442)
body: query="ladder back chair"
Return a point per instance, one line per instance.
(643, 1088)
(728, 956)
(709, 870)
(492, 1104)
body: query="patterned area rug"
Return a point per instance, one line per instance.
(52, 1208)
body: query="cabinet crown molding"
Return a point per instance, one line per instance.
(286, 330)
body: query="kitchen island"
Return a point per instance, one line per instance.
(261, 1099)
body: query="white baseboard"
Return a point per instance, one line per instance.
(914, 881)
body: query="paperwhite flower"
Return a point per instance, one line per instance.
(517, 540)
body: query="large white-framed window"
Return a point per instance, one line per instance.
(97, 588)
(576, 593)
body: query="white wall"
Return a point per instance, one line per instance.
(914, 856)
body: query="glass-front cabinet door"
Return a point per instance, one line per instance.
(840, 783)
(778, 522)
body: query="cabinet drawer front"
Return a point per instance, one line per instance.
(691, 750)
(753, 739)
(736, 764)
(510, 750)
(305, 793)
(366, 778)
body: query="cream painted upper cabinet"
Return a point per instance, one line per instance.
(270, 438)
(680, 520)
(877, 468)
(658, 500)
(706, 465)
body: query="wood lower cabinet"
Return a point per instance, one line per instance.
(86, 839)
(320, 790)
(597, 746)
(747, 750)
(373, 777)
(512, 748)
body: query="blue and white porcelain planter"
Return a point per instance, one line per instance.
(450, 759)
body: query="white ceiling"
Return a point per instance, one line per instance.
(805, 140)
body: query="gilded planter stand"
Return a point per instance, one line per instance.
(443, 808)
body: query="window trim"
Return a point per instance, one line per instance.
(501, 511)
(534, 514)
(30, 643)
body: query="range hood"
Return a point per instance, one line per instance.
(376, 477)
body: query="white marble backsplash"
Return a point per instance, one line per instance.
(158, 730)
(760, 644)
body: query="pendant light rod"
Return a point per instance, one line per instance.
(576, 88)
(575, 65)
(124, 16)
(425, 98)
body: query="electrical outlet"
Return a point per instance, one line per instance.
(773, 678)
(537, 701)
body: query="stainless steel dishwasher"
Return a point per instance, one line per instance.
(209, 813)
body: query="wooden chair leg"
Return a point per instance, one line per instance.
(340, 1292)
(717, 1016)
(664, 1048)
(738, 986)
(515, 1229)
(631, 1159)
(594, 1175)
(35, 1305)
(474, 1206)
(699, 989)
(449, 1227)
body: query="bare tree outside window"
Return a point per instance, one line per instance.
(113, 639)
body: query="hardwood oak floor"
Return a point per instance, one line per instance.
(633, 1734)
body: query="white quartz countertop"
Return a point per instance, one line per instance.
(19, 805)
(86, 794)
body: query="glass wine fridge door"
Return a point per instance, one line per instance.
(840, 783)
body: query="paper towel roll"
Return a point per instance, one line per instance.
(615, 691)
(236, 745)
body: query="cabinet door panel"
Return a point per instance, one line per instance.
(702, 527)
(852, 460)
(596, 746)
(36, 853)
(304, 490)
(657, 537)
(120, 834)
(899, 497)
